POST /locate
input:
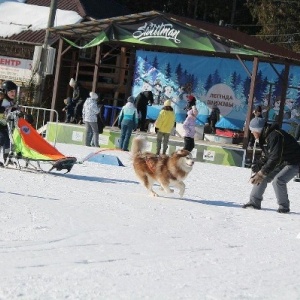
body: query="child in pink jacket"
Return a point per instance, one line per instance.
(189, 129)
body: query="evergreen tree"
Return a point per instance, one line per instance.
(232, 13)
(279, 21)
(246, 88)
(216, 77)
(155, 72)
(278, 85)
(209, 82)
(178, 72)
(168, 71)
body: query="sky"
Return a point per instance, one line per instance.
(96, 233)
(30, 17)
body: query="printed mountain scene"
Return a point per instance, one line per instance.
(214, 81)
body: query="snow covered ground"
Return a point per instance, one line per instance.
(95, 233)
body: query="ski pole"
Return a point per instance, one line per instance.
(253, 156)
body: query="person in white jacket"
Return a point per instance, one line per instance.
(89, 114)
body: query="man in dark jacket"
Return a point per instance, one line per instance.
(80, 94)
(278, 164)
(9, 89)
(142, 100)
(214, 117)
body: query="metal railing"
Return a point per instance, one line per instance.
(41, 116)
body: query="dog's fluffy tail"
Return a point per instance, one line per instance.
(138, 144)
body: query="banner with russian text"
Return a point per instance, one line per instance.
(214, 81)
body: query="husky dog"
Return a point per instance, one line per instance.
(164, 169)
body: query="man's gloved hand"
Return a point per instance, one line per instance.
(257, 178)
(156, 130)
(255, 167)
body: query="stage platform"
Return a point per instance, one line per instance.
(208, 151)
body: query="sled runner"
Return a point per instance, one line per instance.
(28, 146)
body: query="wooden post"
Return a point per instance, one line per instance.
(73, 62)
(121, 73)
(77, 71)
(44, 55)
(57, 75)
(285, 80)
(130, 73)
(96, 69)
(250, 102)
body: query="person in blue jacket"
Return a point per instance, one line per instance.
(128, 121)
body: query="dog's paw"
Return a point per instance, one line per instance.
(181, 194)
(168, 190)
(153, 194)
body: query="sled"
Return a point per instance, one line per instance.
(29, 149)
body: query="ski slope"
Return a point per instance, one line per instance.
(95, 233)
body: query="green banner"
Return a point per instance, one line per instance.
(100, 38)
(163, 32)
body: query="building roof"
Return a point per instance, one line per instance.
(85, 9)
(223, 35)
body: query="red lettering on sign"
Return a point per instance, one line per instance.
(10, 62)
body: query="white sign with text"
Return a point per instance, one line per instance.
(15, 69)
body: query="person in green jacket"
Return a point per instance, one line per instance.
(163, 126)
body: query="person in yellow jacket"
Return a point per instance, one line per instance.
(164, 125)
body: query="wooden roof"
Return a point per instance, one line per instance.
(90, 29)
